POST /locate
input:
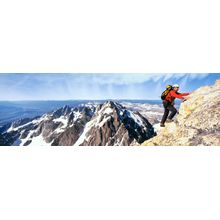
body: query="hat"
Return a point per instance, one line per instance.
(175, 86)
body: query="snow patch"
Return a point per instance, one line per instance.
(104, 121)
(83, 137)
(154, 113)
(35, 141)
(77, 115)
(64, 121)
(108, 111)
(136, 118)
(16, 128)
(157, 127)
(39, 141)
(24, 140)
(35, 121)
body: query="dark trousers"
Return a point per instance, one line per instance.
(168, 108)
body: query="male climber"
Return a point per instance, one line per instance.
(168, 104)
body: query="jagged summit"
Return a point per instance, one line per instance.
(112, 124)
(197, 123)
(104, 124)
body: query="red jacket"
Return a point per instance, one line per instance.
(172, 95)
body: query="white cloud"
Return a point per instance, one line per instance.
(125, 79)
(121, 79)
(86, 86)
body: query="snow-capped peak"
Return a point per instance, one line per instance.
(110, 115)
(109, 123)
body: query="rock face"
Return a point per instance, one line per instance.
(198, 122)
(60, 127)
(112, 124)
(105, 124)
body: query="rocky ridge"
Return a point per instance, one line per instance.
(105, 124)
(198, 122)
(112, 124)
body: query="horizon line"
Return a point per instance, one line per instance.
(42, 100)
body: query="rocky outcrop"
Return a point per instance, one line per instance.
(198, 122)
(112, 124)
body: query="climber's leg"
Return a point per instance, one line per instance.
(173, 111)
(166, 113)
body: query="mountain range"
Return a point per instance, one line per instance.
(121, 124)
(107, 124)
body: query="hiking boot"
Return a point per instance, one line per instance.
(162, 125)
(170, 120)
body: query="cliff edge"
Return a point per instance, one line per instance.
(198, 122)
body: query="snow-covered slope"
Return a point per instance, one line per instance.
(153, 112)
(112, 124)
(60, 127)
(104, 124)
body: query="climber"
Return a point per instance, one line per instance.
(168, 103)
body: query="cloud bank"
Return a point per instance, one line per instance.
(95, 86)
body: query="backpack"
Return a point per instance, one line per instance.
(165, 93)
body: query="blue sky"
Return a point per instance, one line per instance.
(62, 86)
